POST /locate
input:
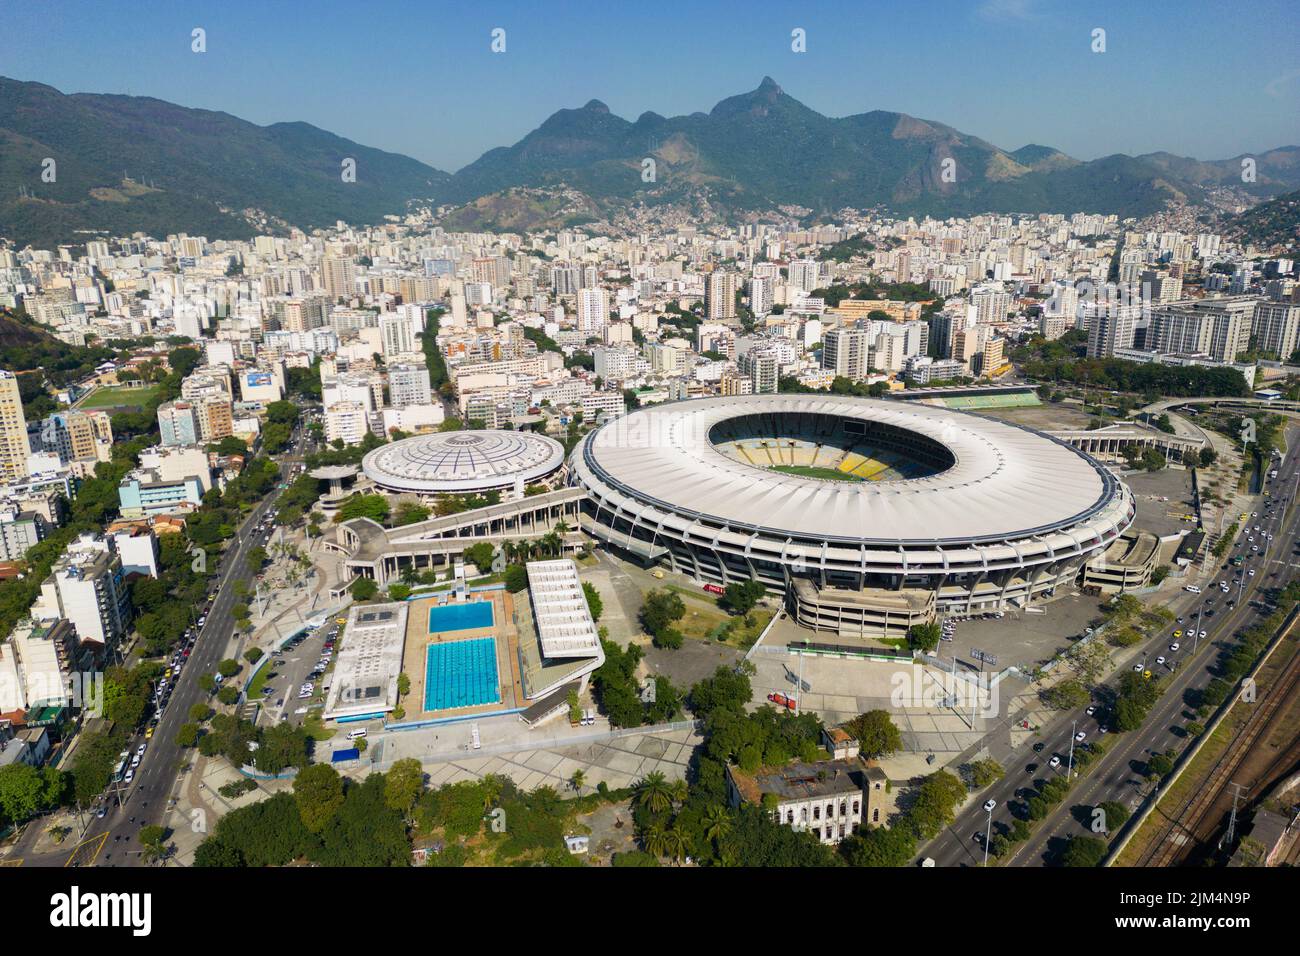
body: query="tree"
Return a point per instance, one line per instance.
(876, 734)
(187, 735)
(363, 589)
(403, 785)
(253, 655)
(880, 846)
(374, 507)
(653, 792)
(594, 604)
(398, 591)
(1067, 695)
(741, 596)
(228, 667)
(516, 578)
(984, 772)
(923, 637)
(660, 609)
(1084, 851)
(318, 793)
(481, 555)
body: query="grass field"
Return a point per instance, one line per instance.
(119, 396)
(809, 471)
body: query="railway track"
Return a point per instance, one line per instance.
(1197, 816)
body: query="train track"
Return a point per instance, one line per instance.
(1197, 817)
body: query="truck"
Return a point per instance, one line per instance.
(715, 589)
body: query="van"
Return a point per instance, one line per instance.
(1192, 589)
(357, 734)
(928, 861)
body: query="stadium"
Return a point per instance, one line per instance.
(870, 514)
(464, 462)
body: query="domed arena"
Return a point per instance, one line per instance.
(463, 462)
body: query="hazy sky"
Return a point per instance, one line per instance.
(1210, 80)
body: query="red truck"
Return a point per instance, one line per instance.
(715, 589)
(782, 701)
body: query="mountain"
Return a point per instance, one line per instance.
(764, 149)
(135, 163)
(1273, 226)
(1275, 169)
(126, 163)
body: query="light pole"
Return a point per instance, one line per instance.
(988, 831)
(1069, 767)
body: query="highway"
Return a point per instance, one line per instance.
(146, 800)
(1117, 775)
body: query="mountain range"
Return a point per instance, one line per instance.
(136, 163)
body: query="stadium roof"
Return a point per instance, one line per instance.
(463, 461)
(1007, 481)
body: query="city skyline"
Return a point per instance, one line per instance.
(1050, 88)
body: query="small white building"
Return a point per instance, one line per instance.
(828, 799)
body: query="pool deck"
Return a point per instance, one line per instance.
(418, 638)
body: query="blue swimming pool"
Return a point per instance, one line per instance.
(461, 674)
(460, 617)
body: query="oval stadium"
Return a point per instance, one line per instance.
(867, 513)
(463, 462)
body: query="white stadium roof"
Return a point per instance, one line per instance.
(1006, 482)
(463, 461)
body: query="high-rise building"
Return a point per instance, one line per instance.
(1110, 323)
(14, 446)
(339, 276)
(593, 310)
(805, 274)
(397, 334)
(1276, 328)
(845, 352)
(760, 295)
(178, 423)
(763, 366)
(720, 296)
(409, 385)
(87, 586)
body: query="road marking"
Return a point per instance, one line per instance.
(98, 843)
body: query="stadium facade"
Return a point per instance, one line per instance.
(870, 515)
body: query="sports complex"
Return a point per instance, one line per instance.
(464, 462)
(871, 514)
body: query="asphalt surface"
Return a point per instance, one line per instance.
(1117, 775)
(146, 799)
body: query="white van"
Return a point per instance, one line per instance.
(1192, 589)
(357, 734)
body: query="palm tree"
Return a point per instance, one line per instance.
(653, 792)
(656, 839)
(717, 824)
(578, 779)
(677, 844)
(678, 791)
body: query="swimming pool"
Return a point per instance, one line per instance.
(460, 617)
(461, 674)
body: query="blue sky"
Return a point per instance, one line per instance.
(1210, 80)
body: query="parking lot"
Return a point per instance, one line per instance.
(293, 667)
(1022, 638)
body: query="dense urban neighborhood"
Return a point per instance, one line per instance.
(518, 518)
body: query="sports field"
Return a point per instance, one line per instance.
(119, 396)
(809, 471)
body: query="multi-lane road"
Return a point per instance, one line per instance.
(1118, 774)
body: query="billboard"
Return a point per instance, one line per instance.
(257, 379)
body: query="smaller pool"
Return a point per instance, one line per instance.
(460, 617)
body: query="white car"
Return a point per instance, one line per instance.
(130, 775)
(1203, 634)
(1251, 572)
(1091, 709)
(1080, 735)
(1054, 762)
(139, 751)
(1174, 646)
(1159, 661)
(989, 805)
(1137, 668)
